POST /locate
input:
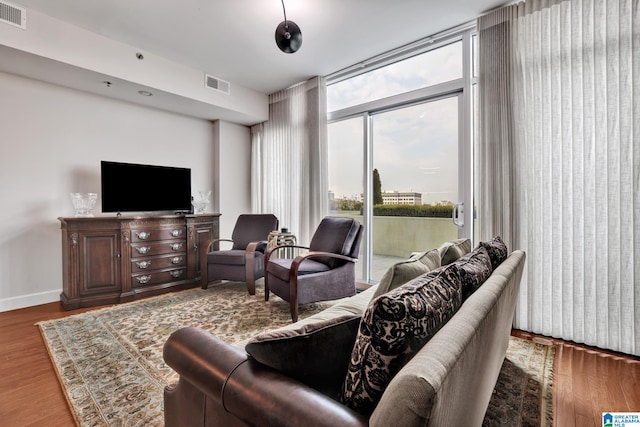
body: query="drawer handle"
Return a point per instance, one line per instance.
(143, 264)
(176, 246)
(176, 273)
(143, 249)
(176, 260)
(143, 235)
(143, 279)
(176, 233)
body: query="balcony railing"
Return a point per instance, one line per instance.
(396, 238)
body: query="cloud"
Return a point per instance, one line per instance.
(406, 142)
(433, 67)
(414, 148)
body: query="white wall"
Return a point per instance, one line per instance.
(58, 52)
(52, 140)
(234, 183)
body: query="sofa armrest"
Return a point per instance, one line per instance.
(250, 391)
(202, 359)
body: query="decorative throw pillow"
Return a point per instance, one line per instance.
(451, 251)
(393, 328)
(475, 269)
(316, 354)
(496, 249)
(400, 273)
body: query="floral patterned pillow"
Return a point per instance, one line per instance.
(497, 251)
(394, 327)
(475, 269)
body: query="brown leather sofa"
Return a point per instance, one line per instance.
(252, 395)
(448, 382)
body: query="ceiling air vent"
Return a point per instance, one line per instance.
(217, 84)
(13, 15)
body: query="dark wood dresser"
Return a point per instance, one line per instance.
(108, 260)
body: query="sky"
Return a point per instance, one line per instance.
(414, 148)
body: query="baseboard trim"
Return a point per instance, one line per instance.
(22, 301)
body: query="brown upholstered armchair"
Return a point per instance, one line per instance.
(326, 272)
(245, 260)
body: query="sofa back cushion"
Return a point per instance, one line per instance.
(403, 271)
(393, 328)
(451, 251)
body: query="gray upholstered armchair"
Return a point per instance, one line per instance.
(326, 272)
(245, 260)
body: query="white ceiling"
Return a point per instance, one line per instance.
(234, 39)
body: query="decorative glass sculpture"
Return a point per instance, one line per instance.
(84, 203)
(201, 201)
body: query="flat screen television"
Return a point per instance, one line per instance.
(129, 187)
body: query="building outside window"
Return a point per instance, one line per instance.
(401, 198)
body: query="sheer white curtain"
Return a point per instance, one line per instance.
(559, 162)
(289, 158)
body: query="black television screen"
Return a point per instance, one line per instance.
(128, 187)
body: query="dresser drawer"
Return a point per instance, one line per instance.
(158, 277)
(158, 248)
(152, 234)
(146, 264)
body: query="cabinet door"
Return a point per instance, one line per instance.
(99, 266)
(200, 230)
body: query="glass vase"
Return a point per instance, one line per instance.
(201, 201)
(83, 203)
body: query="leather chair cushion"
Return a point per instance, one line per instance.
(315, 354)
(281, 268)
(454, 249)
(401, 272)
(336, 235)
(248, 226)
(394, 328)
(497, 250)
(230, 257)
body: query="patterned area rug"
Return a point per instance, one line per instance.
(109, 361)
(522, 396)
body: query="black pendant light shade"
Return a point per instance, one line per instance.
(288, 35)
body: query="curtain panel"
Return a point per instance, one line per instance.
(559, 162)
(289, 158)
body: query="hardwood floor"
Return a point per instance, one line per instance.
(587, 381)
(30, 394)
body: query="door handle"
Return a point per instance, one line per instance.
(457, 214)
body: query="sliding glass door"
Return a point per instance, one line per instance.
(400, 157)
(411, 197)
(416, 185)
(346, 172)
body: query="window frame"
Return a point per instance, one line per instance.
(462, 87)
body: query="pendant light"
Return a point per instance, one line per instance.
(288, 35)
